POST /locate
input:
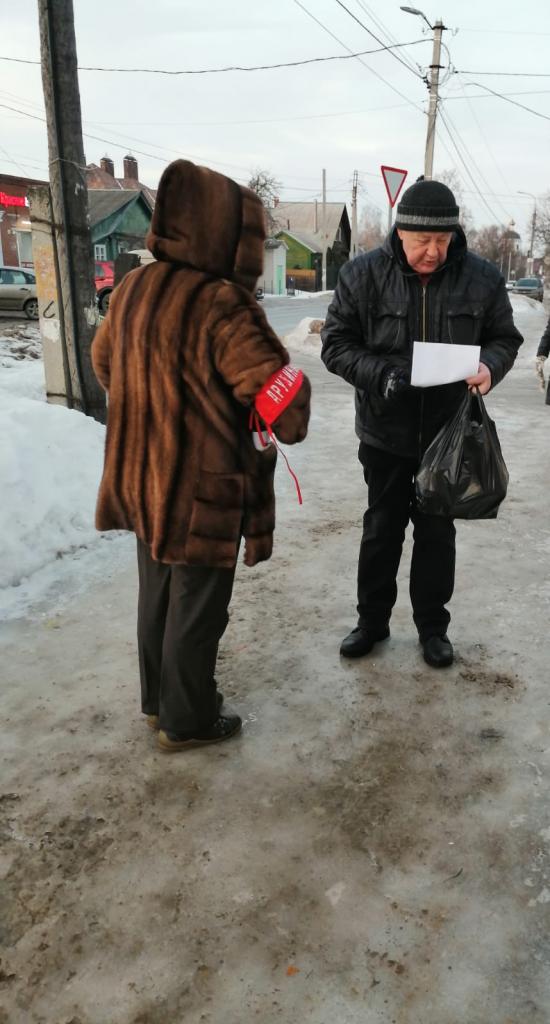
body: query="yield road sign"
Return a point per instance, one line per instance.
(394, 178)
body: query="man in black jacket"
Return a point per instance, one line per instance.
(421, 285)
(542, 354)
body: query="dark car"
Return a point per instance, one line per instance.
(18, 290)
(104, 282)
(529, 286)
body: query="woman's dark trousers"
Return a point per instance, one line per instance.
(182, 615)
(391, 497)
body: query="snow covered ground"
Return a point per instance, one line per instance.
(376, 845)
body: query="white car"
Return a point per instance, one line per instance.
(18, 291)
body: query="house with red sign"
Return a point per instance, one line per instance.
(15, 224)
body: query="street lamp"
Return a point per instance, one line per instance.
(414, 10)
(433, 86)
(533, 226)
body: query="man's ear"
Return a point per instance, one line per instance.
(400, 233)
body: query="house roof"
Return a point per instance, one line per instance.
(314, 245)
(103, 202)
(298, 219)
(99, 179)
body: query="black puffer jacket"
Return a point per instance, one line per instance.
(544, 346)
(380, 307)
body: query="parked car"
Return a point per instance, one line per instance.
(531, 286)
(18, 290)
(104, 283)
(510, 284)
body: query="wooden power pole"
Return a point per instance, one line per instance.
(71, 231)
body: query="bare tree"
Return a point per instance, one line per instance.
(487, 242)
(451, 180)
(542, 231)
(371, 234)
(267, 187)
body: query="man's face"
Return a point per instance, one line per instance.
(425, 251)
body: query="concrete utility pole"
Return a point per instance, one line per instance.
(71, 230)
(353, 252)
(435, 68)
(433, 86)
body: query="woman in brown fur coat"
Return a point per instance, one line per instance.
(183, 352)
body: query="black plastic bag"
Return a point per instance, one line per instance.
(463, 474)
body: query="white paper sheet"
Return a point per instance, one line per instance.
(435, 363)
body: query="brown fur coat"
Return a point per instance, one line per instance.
(182, 353)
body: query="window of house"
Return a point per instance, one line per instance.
(24, 247)
(100, 252)
(122, 247)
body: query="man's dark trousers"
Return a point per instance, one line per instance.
(182, 615)
(392, 503)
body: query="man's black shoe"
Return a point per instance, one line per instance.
(223, 728)
(361, 640)
(438, 651)
(153, 720)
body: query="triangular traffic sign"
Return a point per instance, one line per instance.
(394, 178)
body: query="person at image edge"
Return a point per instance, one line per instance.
(421, 285)
(185, 352)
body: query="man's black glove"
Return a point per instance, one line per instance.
(394, 382)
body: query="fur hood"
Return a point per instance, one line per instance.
(208, 222)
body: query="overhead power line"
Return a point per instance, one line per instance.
(506, 74)
(537, 113)
(474, 164)
(372, 71)
(156, 156)
(384, 31)
(119, 145)
(465, 165)
(378, 40)
(486, 144)
(220, 71)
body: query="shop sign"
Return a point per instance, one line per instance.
(8, 200)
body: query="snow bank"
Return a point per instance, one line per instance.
(51, 460)
(302, 339)
(50, 465)
(523, 304)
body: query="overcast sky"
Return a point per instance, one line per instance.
(339, 114)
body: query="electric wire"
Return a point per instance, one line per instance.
(378, 40)
(386, 34)
(12, 161)
(537, 113)
(465, 165)
(475, 165)
(483, 136)
(506, 74)
(160, 159)
(218, 71)
(371, 70)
